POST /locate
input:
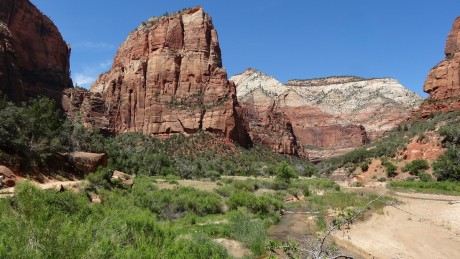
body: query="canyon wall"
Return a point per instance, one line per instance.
(166, 78)
(443, 81)
(35, 58)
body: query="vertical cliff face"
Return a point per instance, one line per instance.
(267, 125)
(34, 58)
(443, 81)
(167, 77)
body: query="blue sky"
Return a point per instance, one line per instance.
(295, 39)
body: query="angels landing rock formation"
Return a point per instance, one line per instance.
(326, 116)
(443, 81)
(34, 56)
(167, 77)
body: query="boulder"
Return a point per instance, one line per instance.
(86, 162)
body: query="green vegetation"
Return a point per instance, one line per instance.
(364, 166)
(390, 168)
(416, 167)
(387, 145)
(285, 172)
(32, 131)
(447, 166)
(448, 188)
(48, 224)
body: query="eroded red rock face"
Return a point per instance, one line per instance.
(271, 128)
(166, 78)
(34, 56)
(443, 81)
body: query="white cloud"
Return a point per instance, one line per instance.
(94, 45)
(83, 80)
(89, 74)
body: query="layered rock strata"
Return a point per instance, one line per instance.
(166, 78)
(443, 81)
(34, 56)
(328, 116)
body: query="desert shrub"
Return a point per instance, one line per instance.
(99, 179)
(32, 131)
(50, 224)
(262, 206)
(451, 134)
(240, 198)
(285, 172)
(452, 188)
(225, 191)
(425, 177)
(447, 166)
(364, 166)
(195, 246)
(252, 233)
(175, 203)
(416, 167)
(390, 168)
(248, 185)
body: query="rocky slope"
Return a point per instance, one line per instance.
(331, 115)
(443, 81)
(166, 78)
(35, 58)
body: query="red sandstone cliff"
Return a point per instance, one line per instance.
(167, 77)
(34, 57)
(443, 81)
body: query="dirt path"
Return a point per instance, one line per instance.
(422, 226)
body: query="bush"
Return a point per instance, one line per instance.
(425, 177)
(447, 166)
(196, 246)
(364, 166)
(251, 232)
(32, 131)
(390, 169)
(415, 167)
(285, 172)
(175, 203)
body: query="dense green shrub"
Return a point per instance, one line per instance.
(32, 131)
(416, 167)
(425, 177)
(196, 246)
(447, 166)
(169, 204)
(251, 233)
(390, 168)
(262, 206)
(364, 166)
(452, 188)
(50, 224)
(285, 172)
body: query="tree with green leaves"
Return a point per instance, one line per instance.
(285, 172)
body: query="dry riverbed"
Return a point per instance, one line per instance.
(421, 226)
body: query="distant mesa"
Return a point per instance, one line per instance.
(328, 116)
